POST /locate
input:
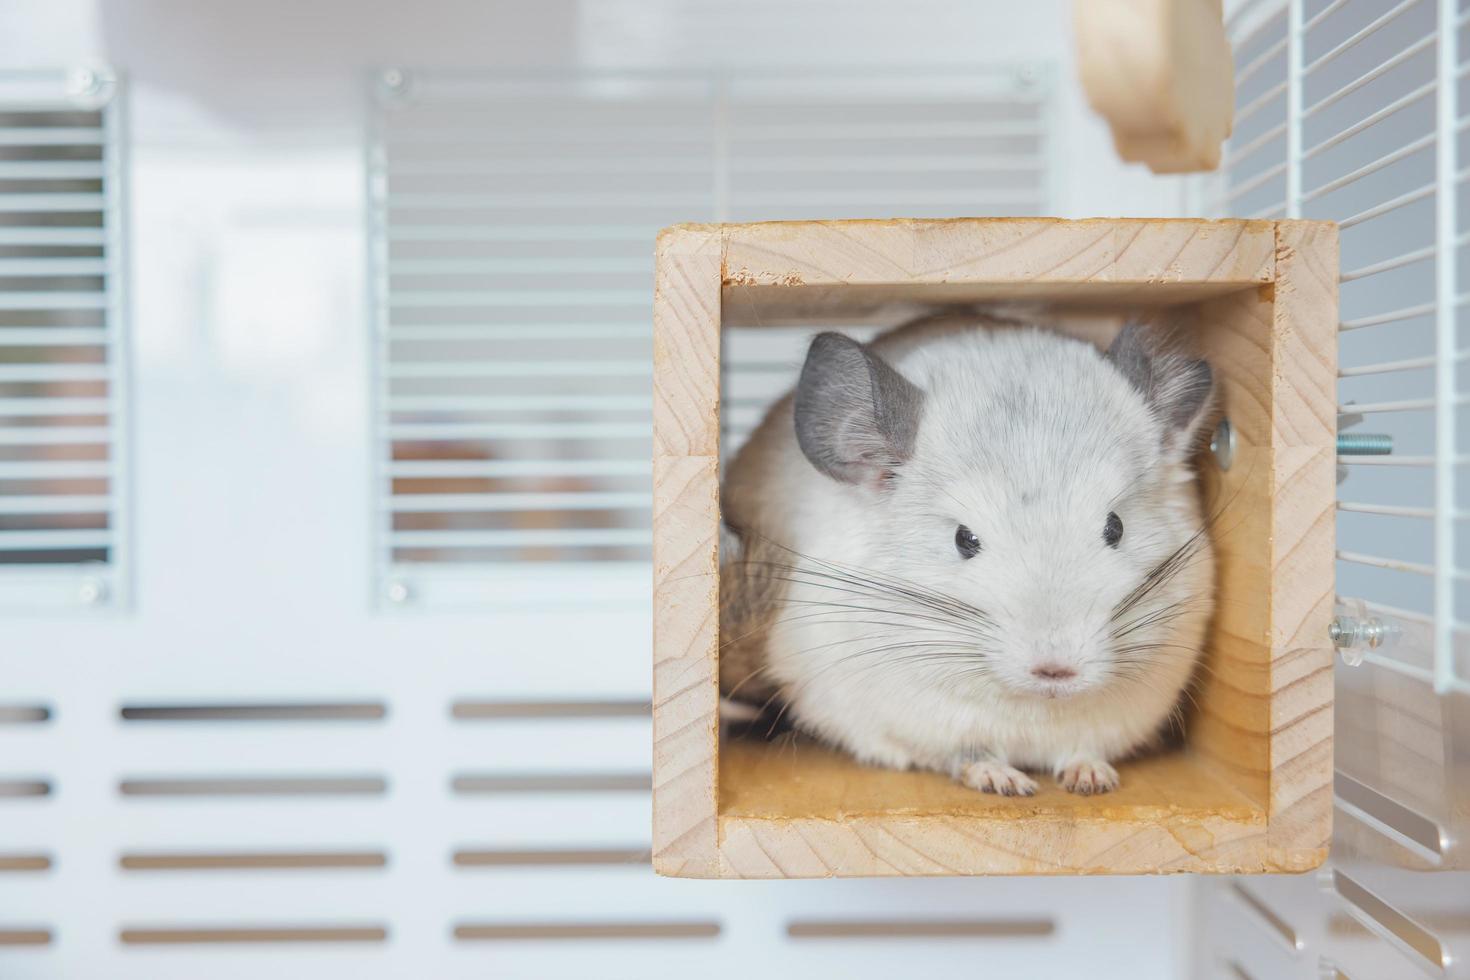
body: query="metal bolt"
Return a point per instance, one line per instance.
(397, 593)
(90, 592)
(1222, 444)
(1351, 635)
(1364, 444)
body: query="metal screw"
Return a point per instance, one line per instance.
(90, 592)
(397, 593)
(1027, 76)
(395, 80)
(1364, 444)
(1222, 444)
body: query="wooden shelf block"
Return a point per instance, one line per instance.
(1251, 789)
(1161, 73)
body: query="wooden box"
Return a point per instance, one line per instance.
(1251, 789)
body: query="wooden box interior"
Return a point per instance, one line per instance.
(1249, 790)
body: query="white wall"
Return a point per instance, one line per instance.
(251, 512)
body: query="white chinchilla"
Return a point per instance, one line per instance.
(976, 547)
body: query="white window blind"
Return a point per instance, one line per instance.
(62, 397)
(512, 231)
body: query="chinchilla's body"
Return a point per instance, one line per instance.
(974, 547)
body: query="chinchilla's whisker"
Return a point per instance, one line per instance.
(890, 582)
(939, 652)
(970, 655)
(1162, 574)
(1136, 665)
(897, 617)
(830, 615)
(890, 629)
(910, 619)
(1162, 616)
(750, 676)
(880, 589)
(1139, 664)
(1147, 682)
(1148, 647)
(885, 580)
(906, 653)
(907, 617)
(845, 641)
(796, 574)
(1172, 565)
(1140, 674)
(951, 620)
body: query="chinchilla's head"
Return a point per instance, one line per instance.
(1029, 511)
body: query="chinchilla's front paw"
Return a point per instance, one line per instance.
(1087, 777)
(990, 776)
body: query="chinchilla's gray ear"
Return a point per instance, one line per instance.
(1178, 388)
(856, 417)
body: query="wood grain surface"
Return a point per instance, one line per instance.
(1251, 790)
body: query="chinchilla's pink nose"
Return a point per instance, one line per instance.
(1053, 672)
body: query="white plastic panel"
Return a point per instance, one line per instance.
(253, 772)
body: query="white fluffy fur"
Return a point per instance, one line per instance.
(1029, 439)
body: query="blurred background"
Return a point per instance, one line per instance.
(324, 470)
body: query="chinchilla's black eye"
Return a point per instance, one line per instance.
(966, 543)
(1113, 530)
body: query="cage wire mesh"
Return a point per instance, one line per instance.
(1352, 111)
